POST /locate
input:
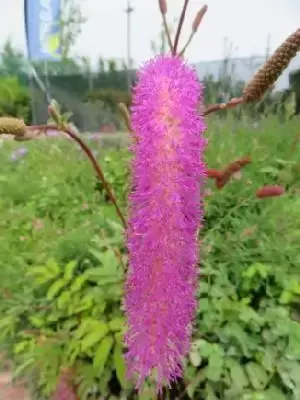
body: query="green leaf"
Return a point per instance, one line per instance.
(95, 336)
(195, 358)
(268, 359)
(237, 374)
(28, 364)
(289, 371)
(257, 375)
(53, 267)
(210, 393)
(102, 354)
(269, 170)
(273, 393)
(119, 364)
(21, 346)
(215, 364)
(286, 297)
(64, 299)
(55, 288)
(116, 324)
(37, 322)
(41, 275)
(78, 283)
(69, 270)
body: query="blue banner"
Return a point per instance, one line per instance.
(42, 27)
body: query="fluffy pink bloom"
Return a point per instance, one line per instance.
(165, 213)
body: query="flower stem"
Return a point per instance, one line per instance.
(181, 20)
(224, 106)
(167, 32)
(92, 159)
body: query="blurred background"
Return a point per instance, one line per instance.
(100, 44)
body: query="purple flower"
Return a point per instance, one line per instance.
(165, 213)
(18, 153)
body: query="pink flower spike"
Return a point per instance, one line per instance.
(165, 213)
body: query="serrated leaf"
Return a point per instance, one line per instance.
(238, 376)
(289, 371)
(41, 275)
(84, 327)
(53, 267)
(268, 359)
(64, 299)
(29, 363)
(269, 170)
(84, 304)
(69, 270)
(78, 283)
(102, 354)
(95, 336)
(37, 322)
(120, 367)
(116, 324)
(210, 393)
(257, 375)
(55, 288)
(195, 358)
(273, 393)
(215, 364)
(21, 346)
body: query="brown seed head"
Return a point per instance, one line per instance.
(199, 16)
(163, 6)
(268, 74)
(12, 126)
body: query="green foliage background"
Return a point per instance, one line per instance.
(61, 275)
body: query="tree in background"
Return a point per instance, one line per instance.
(71, 25)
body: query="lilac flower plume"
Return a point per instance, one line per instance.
(165, 213)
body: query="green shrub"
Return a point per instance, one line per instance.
(14, 99)
(61, 285)
(110, 98)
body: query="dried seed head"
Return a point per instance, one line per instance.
(267, 75)
(199, 16)
(163, 6)
(12, 126)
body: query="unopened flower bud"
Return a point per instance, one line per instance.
(199, 16)
(270, 191)
(163, 6)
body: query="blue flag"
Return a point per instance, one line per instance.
(43, 29)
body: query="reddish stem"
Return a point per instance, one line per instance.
(181, 20)
(92, 159)
(224, 106)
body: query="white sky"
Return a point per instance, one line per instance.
(246, 24)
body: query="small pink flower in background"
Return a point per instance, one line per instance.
(53, 133)
(165, 214)
(18, 153)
